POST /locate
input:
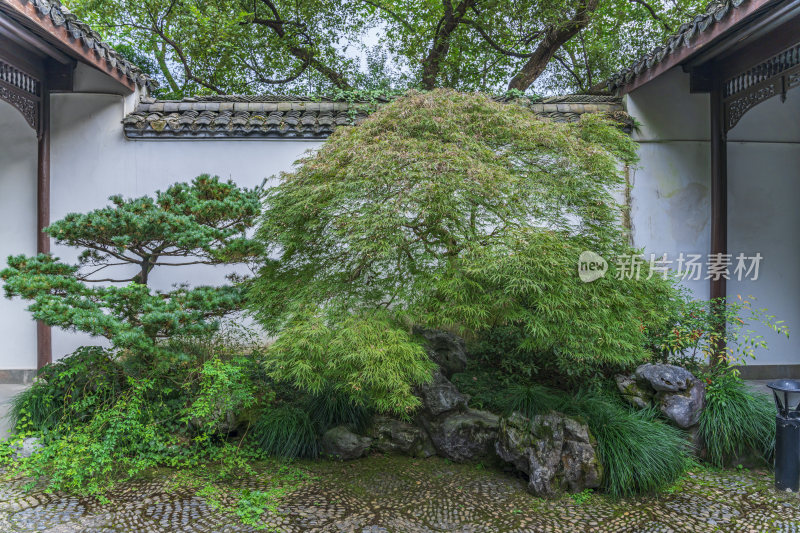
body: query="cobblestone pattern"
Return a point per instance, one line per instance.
(400, 495)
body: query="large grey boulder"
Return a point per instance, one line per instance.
(674, 390)
(667, 378)
(457, 432)
(395, 436)
(557, 453)
(464, 436)
(683, 408)
(343, 444)
(440, 396)
(445, 349)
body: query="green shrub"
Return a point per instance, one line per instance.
(451, 210)
(485, 388)
(499, 348)
(333, 408)
(117, 442)
(224, 390)
(286, 432)
(697, 328)
(736, 422)
(363, 356)
(69, 391)
(108, 416)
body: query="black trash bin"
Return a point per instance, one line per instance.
(787, 434)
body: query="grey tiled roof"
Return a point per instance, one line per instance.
(240, 117)
(716, 11)
(296, 117)
(569, 108)
(80, 31)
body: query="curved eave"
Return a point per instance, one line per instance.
(703, 32)
(73, 38)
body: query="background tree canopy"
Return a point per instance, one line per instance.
(320, 46)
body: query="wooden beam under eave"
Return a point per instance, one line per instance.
(44, 341)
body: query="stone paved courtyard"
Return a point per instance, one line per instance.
(393, 494)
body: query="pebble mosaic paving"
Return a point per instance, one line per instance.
(402, 495)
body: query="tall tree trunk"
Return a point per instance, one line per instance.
(162, 65)
(432, 64)
(554, 39)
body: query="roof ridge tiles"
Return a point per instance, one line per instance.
(716, 12)
(61, 16)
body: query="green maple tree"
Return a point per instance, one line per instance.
(449, 210)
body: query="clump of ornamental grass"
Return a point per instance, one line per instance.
(286, 431)
(736, 422)
(333, 408)
(639, 452)
(532, 400)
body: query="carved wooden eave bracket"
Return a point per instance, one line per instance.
(772, 77)
(21, 90)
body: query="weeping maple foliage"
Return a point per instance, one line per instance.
(451, 210)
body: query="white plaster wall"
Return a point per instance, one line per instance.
(670, 202)
(763, 215)
(18, 148)
(667, 112)
(92, 160)
(88, 79)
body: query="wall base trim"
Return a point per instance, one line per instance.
(17, 376)
(770, 371)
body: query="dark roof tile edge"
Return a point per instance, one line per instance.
(716, 11)
(80, 31)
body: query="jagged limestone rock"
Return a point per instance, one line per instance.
(556, 452)
(395, 436)
(440, 396)
(683, 408)
(666, 378)
(673, 389)
(632, 393)
(464, 436)
(343, 444)
(445, 349)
